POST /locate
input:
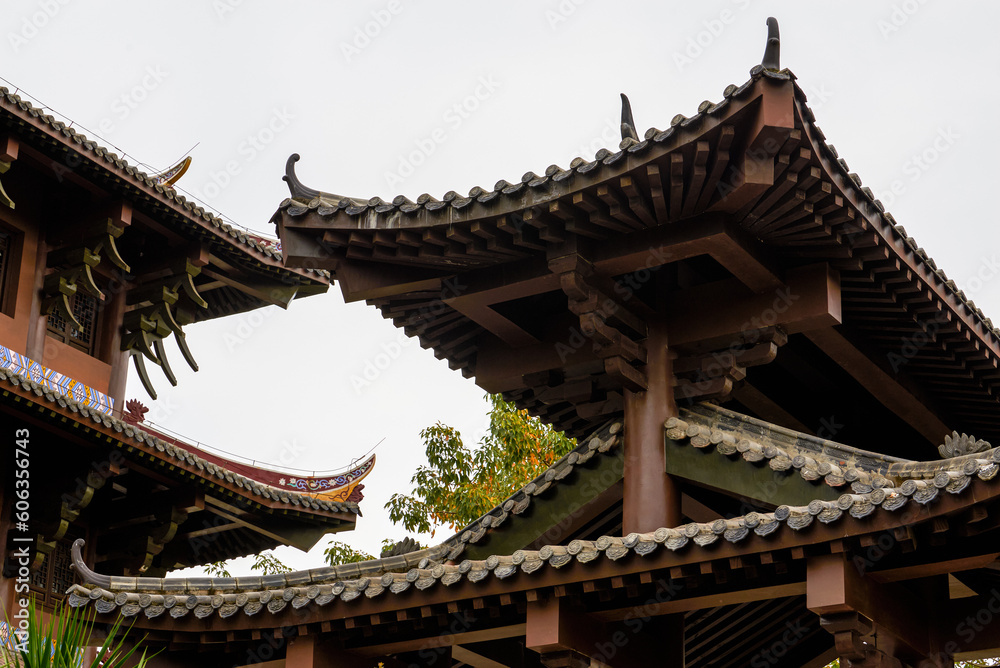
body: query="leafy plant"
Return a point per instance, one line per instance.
(265, 563)
(268, 564)
(460, 483)
(60, 642)
(338, 552)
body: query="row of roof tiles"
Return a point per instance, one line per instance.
(327, 205)
(835, 464)
(204, 597)
(435, 566)
(131, 435)
(269, 250)
(605, 441)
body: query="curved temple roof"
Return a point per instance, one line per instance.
(880, 488)
(812, 209)
(169, 455)
(58, 140)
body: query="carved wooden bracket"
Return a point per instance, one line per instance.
(159, 308)
(615, 330)
(701, 375)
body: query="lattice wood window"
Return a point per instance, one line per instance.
(84, 308)
(50, 582)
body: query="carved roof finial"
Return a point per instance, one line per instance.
(296, 187)
(957, 445)
(80, 566)
(404, 546)
(628, 123)
(135, 412)
(772, 52)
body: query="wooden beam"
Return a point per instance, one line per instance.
(835, 586)
(554, 626)
(313, 651)
(934, 568)
(447, 639)
(767, 409)
(371, 280)
(669, 606)
(470, 658)
(811, 300)
(882, 384)
(715, 235)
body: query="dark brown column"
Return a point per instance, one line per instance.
(651, 498)
(35, 348)
(877, 625)
(112, 313)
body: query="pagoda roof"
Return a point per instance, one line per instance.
(56, 142)
(672, 190)
(912, 494)
(255, 515)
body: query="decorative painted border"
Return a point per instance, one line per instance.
(64, 385)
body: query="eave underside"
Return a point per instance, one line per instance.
(147, 506)
(542, 290)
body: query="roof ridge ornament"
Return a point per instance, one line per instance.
(772, 51)
(169, 177)
(957, 445)
(296, 187)
(80, 566)
(628, 123)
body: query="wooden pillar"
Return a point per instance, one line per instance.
(112, 312)
(565, 636)
(302, 653)
(875, 625)
(310, 651)
(37, 322)
(651, 498)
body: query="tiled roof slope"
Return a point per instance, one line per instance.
(23, 116)
(817, 211)
(400, 212)
(731, 434)
(169, 456)
(606, 441)
(431, 568)
(507, 196)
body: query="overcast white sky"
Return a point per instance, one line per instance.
(389, 97)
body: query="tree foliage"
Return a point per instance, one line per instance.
(338, 552)
(460, 483)
(265, 563)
